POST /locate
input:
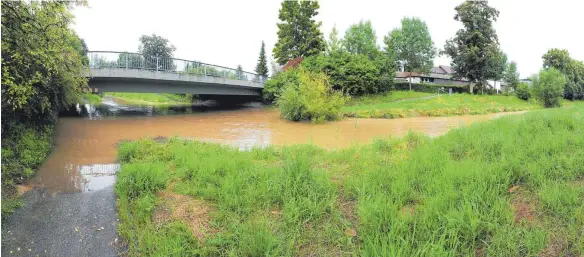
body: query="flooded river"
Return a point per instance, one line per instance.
(85, 154)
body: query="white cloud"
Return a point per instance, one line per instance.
(229, 33)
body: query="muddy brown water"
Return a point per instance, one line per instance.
(85, 154)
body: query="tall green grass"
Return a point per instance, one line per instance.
(410, 196)
(443, 105)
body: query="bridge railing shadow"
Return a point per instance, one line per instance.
(126, 60)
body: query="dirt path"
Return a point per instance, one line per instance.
(74, 224)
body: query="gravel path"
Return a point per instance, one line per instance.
(76, 224)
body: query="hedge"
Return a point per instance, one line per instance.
(431, 88)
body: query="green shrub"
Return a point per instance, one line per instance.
(523, 91)
(312, 99)
(549, 87)
(430, 88)
(274, 86)
(354, 74)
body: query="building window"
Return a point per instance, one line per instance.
(428, 80)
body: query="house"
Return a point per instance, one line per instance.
(441, 74)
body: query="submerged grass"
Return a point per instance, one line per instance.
(510, 187)
(443, 105)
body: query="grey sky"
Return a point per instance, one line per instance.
(229, 32)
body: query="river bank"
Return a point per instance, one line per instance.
(508, 187)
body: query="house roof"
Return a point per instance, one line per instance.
(442, 69)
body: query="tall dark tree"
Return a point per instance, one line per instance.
(299, 34)
(262, 66)
(475, 48)
(157, 51)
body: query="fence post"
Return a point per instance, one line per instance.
(205, 70)
(126, 61)
(156, 63)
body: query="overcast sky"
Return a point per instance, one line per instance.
(229, 32)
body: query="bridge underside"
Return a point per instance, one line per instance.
(177, 87)
(144, 81)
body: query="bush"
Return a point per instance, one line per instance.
(354, 74)
(275, 84)
(430, 88)
(549, 87)
(523, 91)
(311, 99)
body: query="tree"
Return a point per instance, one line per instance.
(360, 39)
(334, 44)
(573, 69)
(548, 87)
(475, 47)
(275, 68)
(299, 34)
(511, 75)
(239, 73)
(412, 46)
(262, 66)
(157, 51)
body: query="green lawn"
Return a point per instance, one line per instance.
(443, 105)
(150, 98)
(92, 98)
(513, 186)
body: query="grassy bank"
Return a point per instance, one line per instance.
(150, 98)
(93, 99)
(388, 106)
(510, 187)
(23, 151)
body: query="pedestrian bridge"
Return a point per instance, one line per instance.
(133, 72)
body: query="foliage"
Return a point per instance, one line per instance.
(275, 68)
(548, 87)
(354, 74)
(40, 61)
(262, 66)
(573, 69)
(42, 67)
(523, 91)
(398, 106)
(475, 49)
(411, 45)
(461, 194)
(23, 151)
(155, 46)
(125, 59)
(299, 34)
(334, 45)
(311, 99)
(511, 75)
(360, 39)
(275, 85)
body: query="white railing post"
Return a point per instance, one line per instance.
(127, 61)
(156, 63)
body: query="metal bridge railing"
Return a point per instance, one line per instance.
(125, 60)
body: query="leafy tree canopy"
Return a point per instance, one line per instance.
(334, 44)
(475, 48)
(360, 39)
(511, 75)
(155, 46)
(412, 46)
(299, 34)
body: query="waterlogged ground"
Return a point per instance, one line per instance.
(69, 207)
(509, 187)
